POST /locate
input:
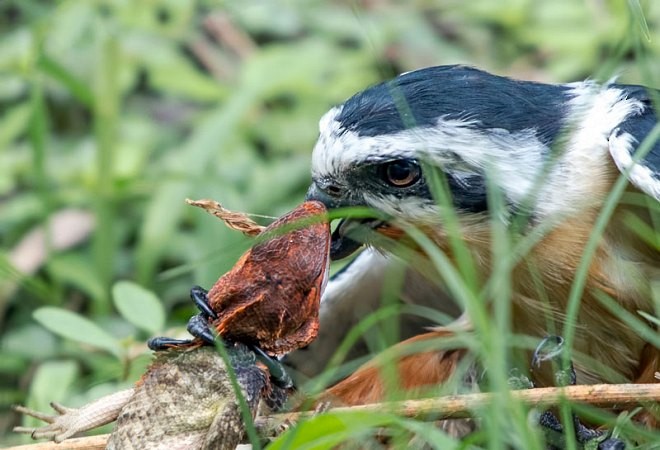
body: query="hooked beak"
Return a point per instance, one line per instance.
(350, 234)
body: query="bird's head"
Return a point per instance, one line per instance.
(374, 150)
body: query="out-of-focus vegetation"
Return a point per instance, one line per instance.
(112, 112)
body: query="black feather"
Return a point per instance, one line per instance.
(422, 97)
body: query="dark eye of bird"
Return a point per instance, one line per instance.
(400, 173)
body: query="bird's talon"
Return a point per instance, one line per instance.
(200, 298)
(164, 343)
(198, 326)
(550, 350)
(278, 374)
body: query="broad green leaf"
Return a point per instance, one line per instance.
(14, 123)
(51, 382)
(74, 268)
(75, 327)
(139, 306)
(30, 342)
(75, 86)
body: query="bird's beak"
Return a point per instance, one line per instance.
(350, 234)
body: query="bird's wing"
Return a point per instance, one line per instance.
(627, 138)
(357, 291)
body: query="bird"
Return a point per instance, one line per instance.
(553, 153)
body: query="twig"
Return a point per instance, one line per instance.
(97, 442)
(234, 220)
(449, 407)
(464, 406)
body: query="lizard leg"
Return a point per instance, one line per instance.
(71, 421)
(550, 350)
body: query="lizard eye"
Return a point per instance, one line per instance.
(400, 173)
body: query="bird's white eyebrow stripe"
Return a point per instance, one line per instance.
(336, 152)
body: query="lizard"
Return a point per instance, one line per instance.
(185, 400)
(265, 306)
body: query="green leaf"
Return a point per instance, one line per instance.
(139, 306)
(30, 342)
(75, 86)
(50, 383)
(75, 327)
(14, 123)
(74, 268)
(329, 430)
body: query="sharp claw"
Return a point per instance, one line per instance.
(164, 343)
(201, 300)
(207, 337)
(550, 351)
(199, 327)
(278, 375)
(550, 348)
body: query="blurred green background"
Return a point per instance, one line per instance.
(112, 112)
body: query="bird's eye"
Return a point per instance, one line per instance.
(400, 173)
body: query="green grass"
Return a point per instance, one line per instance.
(124, 109)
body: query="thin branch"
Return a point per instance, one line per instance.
(97, 442)
(464, 406)
(449, 407)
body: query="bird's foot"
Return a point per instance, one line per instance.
(551, 351)
(200, 298)
(278, 374)
(198, 325)
(160, 343)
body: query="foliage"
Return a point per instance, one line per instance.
(120, 110)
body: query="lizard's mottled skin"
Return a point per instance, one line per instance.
(185, 400)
